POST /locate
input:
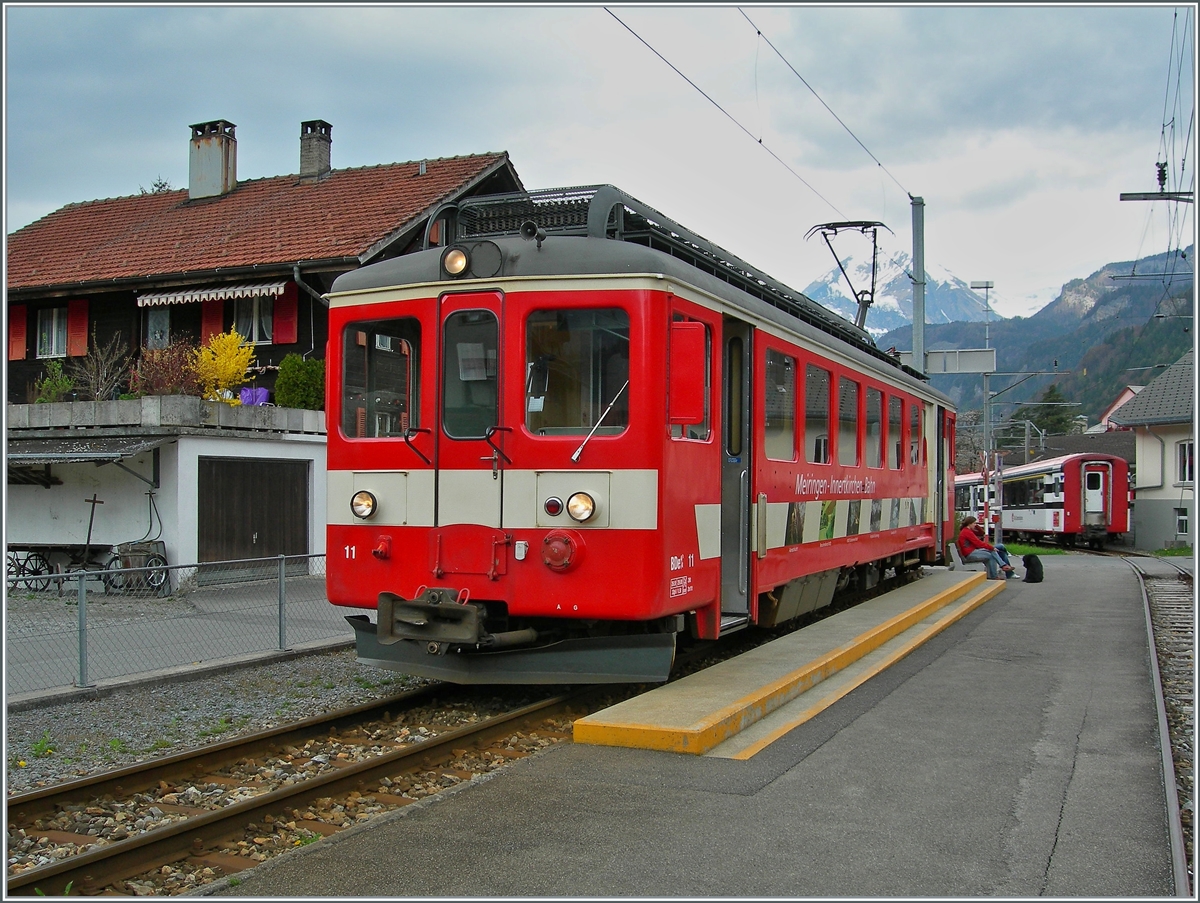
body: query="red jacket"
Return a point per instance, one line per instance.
(969, 541)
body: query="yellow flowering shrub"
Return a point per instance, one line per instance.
(220, 366)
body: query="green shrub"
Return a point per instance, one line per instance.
(55, 385)
(301, 383)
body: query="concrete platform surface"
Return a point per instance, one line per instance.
(706, 708)
(1013, 754)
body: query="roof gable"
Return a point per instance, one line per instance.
(1169, 398)
(276, 220)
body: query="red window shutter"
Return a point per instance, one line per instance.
(284, 328)
(77, 328)
(18, 330)
(212, 319)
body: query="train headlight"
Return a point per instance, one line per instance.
(455, 261)
(363, 504)
(581, 506)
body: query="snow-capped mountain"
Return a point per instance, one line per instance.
(947, 298)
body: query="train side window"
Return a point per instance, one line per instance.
(915, 445)
(780, 406)
(895, 443)
(698, 430)
(576, 367)
(381, 376)
(874, 433)
(816, 415)
(847, 421)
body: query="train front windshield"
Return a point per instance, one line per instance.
(576, 367)
(380, 378)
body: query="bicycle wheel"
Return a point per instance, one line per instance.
(37, 572)
(156, 579)
(114, 577)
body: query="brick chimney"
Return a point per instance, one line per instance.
(314, 149)
(212, 163)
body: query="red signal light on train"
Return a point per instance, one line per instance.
(553, 506)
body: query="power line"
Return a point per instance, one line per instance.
(729, 116)
(825, 105)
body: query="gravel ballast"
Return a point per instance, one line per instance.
(69, 739)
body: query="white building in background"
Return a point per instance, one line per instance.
(1163, 418)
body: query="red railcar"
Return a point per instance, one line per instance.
(578, 430)
(1080, 497)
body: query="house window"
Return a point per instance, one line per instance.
(252, 319)
(1181, 522)
(1186, 458)
(52, 332)
(158, 328)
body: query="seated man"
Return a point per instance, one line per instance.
(974, 547)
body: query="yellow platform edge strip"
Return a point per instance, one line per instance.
(735, 717)
(882, 665)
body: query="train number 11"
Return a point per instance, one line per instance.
(351, 552)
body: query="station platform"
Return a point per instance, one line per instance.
(1013, 754)
(741, 705)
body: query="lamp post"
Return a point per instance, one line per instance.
(987, 407)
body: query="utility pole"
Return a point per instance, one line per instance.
(987, 397)
(918, 281)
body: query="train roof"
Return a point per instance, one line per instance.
(602, 230)
(1049, 465)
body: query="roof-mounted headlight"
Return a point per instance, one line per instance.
(581, 506)
(363, 504)
(455, 261)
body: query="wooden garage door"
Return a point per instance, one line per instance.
(251, 508)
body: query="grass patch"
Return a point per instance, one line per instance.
(1016, 549)
(1185, 552)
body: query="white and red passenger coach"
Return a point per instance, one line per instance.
(576, 430)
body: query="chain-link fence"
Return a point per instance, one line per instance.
(79, 627)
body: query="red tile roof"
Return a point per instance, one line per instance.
(275, 220)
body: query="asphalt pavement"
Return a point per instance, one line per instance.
(1014, 754)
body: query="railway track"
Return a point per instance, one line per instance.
(169, 825)
(172, 824)
(1170, 621)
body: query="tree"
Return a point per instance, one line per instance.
(1053, 415)
(158, 186)
(101, 371)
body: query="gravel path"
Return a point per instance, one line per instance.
(60, 742)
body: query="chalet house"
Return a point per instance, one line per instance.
(255, 255)
(1162, 417)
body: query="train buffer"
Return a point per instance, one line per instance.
(740, 706)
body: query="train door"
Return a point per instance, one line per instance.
(735, 473)
(469, 460)
(1097, 480)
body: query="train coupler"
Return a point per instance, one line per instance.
(437, 616)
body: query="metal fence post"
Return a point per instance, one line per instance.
(282, 604)
(83, 674)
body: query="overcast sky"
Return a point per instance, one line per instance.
(1018, 125)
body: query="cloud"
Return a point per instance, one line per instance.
(1007, 120)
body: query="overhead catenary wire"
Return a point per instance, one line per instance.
(823, 103)
(728, 115)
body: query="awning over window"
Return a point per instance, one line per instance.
(212, 293)
(98, 449)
